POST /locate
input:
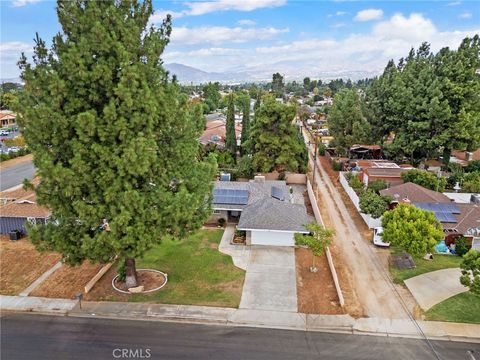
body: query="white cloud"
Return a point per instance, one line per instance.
(205, 7)
(338, 25)
(465, 15)
(369, 15)
(454, 3)
(246, 22)
(10, 54)
(220, 34)
(340, 13)
(20, 3)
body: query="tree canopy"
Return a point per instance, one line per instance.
(471, 271)
(317, 241)
(415, 230)
(425, 178)
(114, 146)
(231, 137)
(275, 142)
(373, 204)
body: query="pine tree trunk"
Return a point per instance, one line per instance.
(130, 273)
(313, 268)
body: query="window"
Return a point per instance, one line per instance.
(217, 212)
(32, 220)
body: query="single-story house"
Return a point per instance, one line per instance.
(265, 210)
(7, 118)
(215, 133)
(457, 219)
(19, 207)
(365, 151)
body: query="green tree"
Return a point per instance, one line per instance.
(317, 241)
(8, 100)
(231, 137)
(257, 104)
(114, 147)
(346, 121)
(275, 142)
(412, 229)
(471, 271)
(473, 166)
(245, 124)
(278, 86)
(471, 182)
(211, 94)
(425, 178)
(373, 204)
(377, 185)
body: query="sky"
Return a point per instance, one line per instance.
(290, 36)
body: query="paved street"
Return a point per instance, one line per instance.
(27, 336)
(15, 175)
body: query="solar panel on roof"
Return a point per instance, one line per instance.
(446, 217)
(277, 193)
(440, 208)
(230, 196)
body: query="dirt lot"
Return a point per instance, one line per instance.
(21, 264)
(12, 162)
(316, 292)
(67, 281)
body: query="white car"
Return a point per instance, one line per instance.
(3, 133)
(377, 237)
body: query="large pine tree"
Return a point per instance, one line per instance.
(245, 123)
(114, 144)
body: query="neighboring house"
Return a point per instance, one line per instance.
(464, 157)
(381, 170)
(7, 118)
(457, 219)
(365, 152)
(215, 133)
(19, 207)
(264, 209)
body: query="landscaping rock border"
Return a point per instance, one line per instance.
(146, 291)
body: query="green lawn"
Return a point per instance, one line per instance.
(423, 266)
(198, 274)
(464, 307)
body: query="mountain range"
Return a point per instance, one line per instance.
(188, 74)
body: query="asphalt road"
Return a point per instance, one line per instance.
(28, 336)
(15, 175)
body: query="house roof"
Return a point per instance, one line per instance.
(385, 172)
(7, 114)
(21, 203)
(262, 211)
(415, 193)
(217, 128)
(468, 218)
(273, 214)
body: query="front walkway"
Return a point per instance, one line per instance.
(433, 287)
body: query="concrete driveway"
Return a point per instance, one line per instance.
(270, 281)
(432, 288)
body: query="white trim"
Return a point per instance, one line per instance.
(227, 209)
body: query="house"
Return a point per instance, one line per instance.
(19, 207)
(265, 210)
(215, 133)
(7, 118)
(365, 152)
(464, 157)
(457, 219)
(381, 170)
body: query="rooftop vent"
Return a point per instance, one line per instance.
(225, 177)
(259, 179)
(475, 198)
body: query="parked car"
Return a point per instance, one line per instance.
(14, 149)
(377, 237)
(4, 133)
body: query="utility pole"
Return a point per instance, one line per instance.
(314, 162)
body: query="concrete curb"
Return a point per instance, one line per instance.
(244, 318)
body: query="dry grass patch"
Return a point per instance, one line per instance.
(21, 264)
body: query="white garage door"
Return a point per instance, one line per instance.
(272, 238)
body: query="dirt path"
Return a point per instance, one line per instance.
(371, 285)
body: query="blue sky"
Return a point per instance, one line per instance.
(307, 37)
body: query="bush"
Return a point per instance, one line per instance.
(321, 149)
(222, 222)
(471, 182)
(336, 166)
(14, 155)
(245, 167)
(473, 166)
(282, 175)
(377, 185)
(373, 204)
(462, 246)
(356, 183)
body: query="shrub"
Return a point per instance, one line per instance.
(373, 204)
(282, 175)
(321, 149)
(222, 222)
(462, 246)
(377, 185)
(356, 183)
(471, 182)
(473, 166)
(336, 166)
